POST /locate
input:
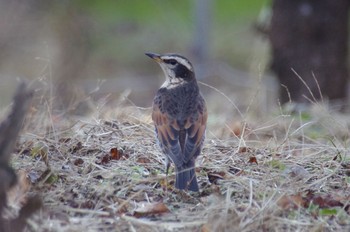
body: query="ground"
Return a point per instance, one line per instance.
(105, 172)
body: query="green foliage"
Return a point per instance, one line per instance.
(328, 212)
(155, 10)
(226, 11)
(136, 10)
(276, 164)
(53, 178)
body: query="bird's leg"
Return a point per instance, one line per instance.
(167, 166)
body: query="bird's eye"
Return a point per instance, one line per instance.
(171, 61)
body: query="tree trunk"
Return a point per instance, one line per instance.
(310, 37)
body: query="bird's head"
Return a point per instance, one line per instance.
(177, 69)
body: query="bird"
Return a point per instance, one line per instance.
(180, 115)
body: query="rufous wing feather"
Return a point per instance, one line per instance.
(195, 137)
(168, 135)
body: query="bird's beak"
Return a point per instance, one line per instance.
(154, 56)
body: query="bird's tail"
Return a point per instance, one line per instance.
(186, 179)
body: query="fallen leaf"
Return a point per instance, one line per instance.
(143, 160)
(78, 162)
(306, 200)
(151, 209)
(242, 149)
(115, 153)
(291, 201)
(326, 201)
(253, 160)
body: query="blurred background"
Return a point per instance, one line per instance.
(102, 43)
(83, 50)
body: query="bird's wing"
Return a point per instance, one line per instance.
(195, 127)
(167, 130)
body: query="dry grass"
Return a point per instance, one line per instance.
(299, 157)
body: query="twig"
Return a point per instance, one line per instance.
(166, 225)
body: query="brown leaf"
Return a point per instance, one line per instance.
(253, 160)
(78, 162)
(115, 154)
(151, 209)
(291, 201)
(304, 200)
(143, 160)
(242, 149)
(326, 201)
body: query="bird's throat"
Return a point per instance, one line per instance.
(171, 83)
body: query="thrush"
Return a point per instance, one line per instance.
(180, 116)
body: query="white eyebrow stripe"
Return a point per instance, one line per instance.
(181, 60)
